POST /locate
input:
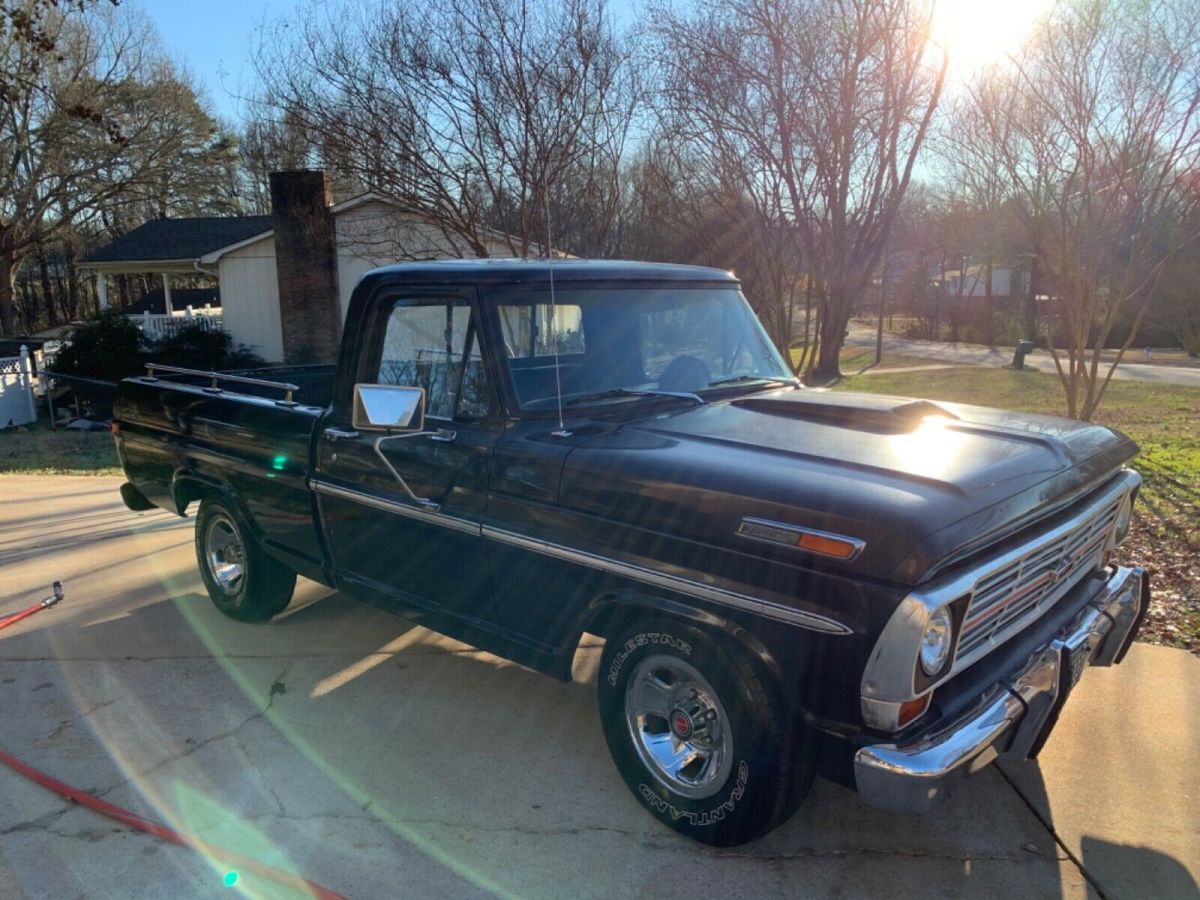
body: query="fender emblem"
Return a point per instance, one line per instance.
(823, 543)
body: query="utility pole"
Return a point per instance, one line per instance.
(941, 295)
(879, 328)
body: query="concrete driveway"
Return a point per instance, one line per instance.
(380, 760)
(1132, 367)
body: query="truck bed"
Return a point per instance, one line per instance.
(178, 438)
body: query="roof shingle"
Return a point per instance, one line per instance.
(161, 239)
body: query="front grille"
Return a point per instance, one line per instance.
(1033, 580)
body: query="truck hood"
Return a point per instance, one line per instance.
(921, 483)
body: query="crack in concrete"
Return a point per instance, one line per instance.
(661, 842)
(273, 692)
(277, 688)
(65, 724)
(1049, 826)
(41, 823)
(163, 763)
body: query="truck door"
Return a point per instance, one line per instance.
(402, 512)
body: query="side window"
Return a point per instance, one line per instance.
(424, 345)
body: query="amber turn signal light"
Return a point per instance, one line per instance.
(826, 546)
(912, 709)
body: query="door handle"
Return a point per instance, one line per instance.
(444, 436)
(338, 434)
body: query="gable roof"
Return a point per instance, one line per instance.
(178, 239)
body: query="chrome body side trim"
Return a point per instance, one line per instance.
(1013, 717)
(890, 675)
(801, 618)
(720, 596)
(421, 513)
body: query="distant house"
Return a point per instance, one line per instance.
(284, 281)
(971, 282)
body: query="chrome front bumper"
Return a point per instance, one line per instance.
(1014, 717)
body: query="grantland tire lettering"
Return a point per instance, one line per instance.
(641, 640)
(709, 816)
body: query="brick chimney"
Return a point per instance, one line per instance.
(306, 266)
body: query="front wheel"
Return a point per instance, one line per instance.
(698, 734)
(243, 582)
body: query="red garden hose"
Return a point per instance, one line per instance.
(36, 608)
(125, 817)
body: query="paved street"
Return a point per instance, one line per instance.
(380, 760)
(1131, 369)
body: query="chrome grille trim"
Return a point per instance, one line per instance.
(890, 674)
(1034, 580)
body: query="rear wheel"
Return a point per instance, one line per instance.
(243, 582)
(696, 730)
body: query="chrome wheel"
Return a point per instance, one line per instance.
(225, 553)
(678, 726)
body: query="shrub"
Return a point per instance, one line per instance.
(107, 347)
(111, 346)
(196, 348)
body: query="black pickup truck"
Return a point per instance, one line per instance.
(885, 591)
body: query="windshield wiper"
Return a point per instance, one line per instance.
(746, 378)
(630, 392)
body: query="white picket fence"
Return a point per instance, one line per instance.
(157, 327)
(16, 390)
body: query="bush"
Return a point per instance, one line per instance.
(197, 348)
(107, 347)
(111, 346)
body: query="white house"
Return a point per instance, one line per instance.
(241, 254)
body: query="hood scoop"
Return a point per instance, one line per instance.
(861, 412)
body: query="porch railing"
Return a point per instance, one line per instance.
(157, 327)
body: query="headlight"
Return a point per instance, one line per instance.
(935, 645)
(1121, 525)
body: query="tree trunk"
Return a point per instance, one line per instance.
(8, 280)
(69, 300)
(832, 335)
(47, 289)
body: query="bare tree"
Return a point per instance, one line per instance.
(1098, 128)
(73, 133)
(817, 108)
(476, 114)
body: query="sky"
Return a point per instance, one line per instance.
(213, 39)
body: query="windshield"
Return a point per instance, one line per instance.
(628, 343)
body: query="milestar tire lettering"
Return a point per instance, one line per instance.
(709, 816)
(641, 640)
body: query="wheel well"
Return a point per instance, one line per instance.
(614, 614)
(188, 491)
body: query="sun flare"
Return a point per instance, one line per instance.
(978, 33)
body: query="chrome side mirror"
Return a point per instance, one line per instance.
(387, 407)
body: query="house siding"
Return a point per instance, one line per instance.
(250, 298)
(370, 235)
(375, 234)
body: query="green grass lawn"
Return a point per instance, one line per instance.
(1165, 422)
(854, 360)
(36, 450)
